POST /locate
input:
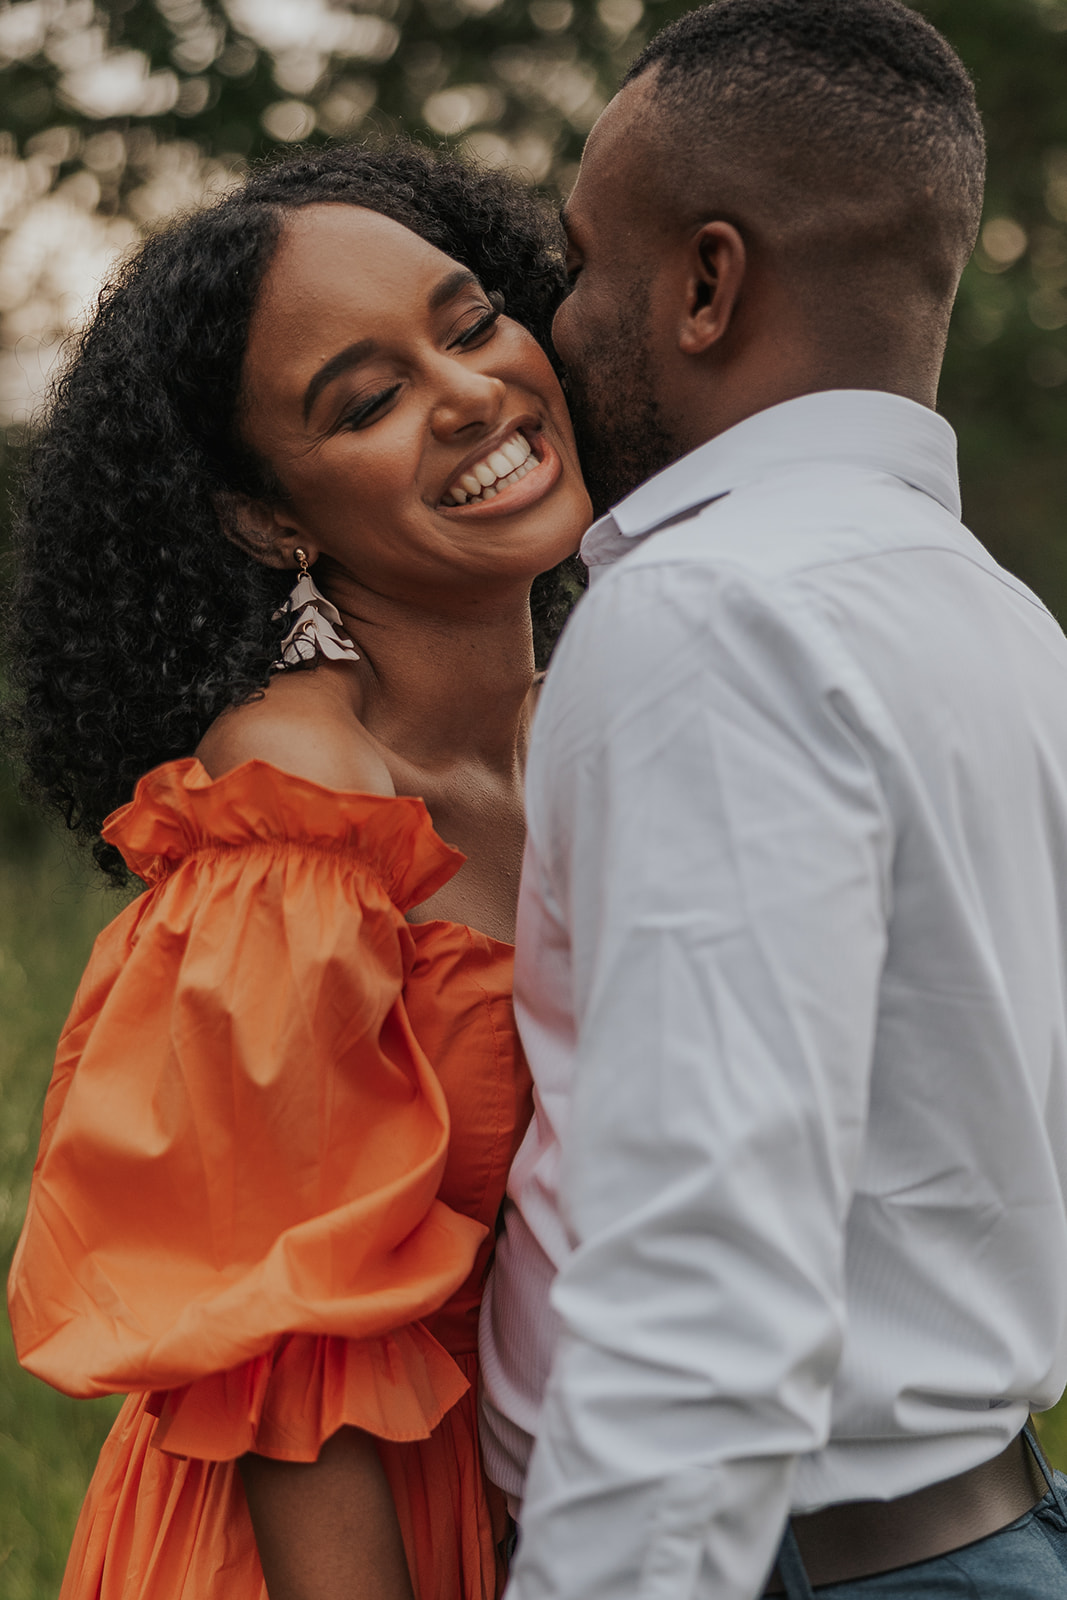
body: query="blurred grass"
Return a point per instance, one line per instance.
(51, 909)
(50, 912)
(1052, 1431)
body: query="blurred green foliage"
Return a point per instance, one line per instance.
(1005, 383)
(49, 914)
(114, 115)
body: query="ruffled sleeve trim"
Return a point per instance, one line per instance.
(287, 1403)
(178, 810)
(244, 1137)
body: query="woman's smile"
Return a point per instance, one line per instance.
(506, 477)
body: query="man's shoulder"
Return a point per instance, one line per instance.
(849, 564)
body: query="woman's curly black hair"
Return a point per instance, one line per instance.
(134, 621)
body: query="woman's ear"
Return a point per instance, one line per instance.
(260, 530)
(717, 266)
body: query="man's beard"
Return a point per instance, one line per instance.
(618, 424)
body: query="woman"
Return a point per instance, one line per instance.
(286, 1099)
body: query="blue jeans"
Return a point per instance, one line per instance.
(1025, 1561)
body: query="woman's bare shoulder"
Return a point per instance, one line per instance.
(310, 734)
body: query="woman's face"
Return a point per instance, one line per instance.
(421, 437)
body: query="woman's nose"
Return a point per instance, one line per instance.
(466, 398)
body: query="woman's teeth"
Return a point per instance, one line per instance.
(503, 466)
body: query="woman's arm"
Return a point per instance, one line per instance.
(327, 1529)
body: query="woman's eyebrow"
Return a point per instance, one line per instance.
(450, 286)
(353, 354)
(350, 356)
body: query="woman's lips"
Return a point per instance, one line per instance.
(515, 496)
(508, 461)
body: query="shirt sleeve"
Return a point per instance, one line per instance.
(707, 826)
(236, 1201)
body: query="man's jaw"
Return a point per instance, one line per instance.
(621, 444)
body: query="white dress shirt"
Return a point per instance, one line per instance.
(792, 978)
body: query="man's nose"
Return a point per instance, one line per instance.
(466, 398)
(560, 328)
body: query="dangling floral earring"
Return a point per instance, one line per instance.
(315, 624)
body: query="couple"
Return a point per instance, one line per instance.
(790, 939)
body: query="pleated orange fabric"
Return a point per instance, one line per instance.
(273, 1150)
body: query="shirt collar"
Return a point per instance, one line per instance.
(845, 427)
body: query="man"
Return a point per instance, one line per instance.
(791, 969)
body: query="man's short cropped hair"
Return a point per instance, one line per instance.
(822, 88)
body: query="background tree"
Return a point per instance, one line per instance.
(115, 115)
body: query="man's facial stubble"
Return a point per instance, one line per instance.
(618, 421)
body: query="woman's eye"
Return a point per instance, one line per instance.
(368, 409)
(484, 325)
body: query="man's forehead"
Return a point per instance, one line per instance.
(618, 159)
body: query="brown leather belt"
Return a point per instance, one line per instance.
(862, 1538)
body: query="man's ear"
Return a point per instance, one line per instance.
(261, 530)
(717, 266)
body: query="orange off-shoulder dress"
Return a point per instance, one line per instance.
(274, 1147)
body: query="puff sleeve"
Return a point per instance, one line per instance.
(235, 1201)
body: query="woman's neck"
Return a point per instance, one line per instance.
(440, 691)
